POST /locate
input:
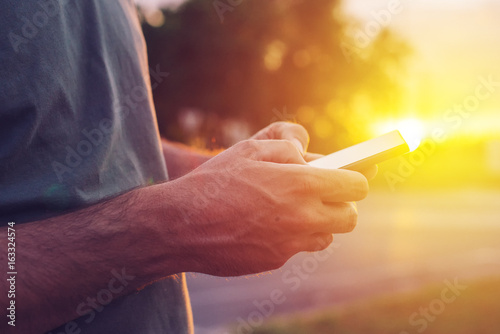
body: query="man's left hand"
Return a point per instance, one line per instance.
(298, 135)
(295, 133)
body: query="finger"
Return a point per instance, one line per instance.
(339, 218)
(335, 185)
(312, 156)
(308, 243)
(318, 242)
(369, 172)
(276, 151)
(295, 133)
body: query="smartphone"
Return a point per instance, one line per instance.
(365, 154)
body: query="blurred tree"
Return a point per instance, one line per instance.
(272, 60)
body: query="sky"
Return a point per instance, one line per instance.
(454, 40)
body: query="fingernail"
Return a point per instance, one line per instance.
(297, 143)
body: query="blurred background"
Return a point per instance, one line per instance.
(348, 71)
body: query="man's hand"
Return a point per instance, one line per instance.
(181, 159)
(252, 207)
(295, 133)
(298, 135)
(247, 210)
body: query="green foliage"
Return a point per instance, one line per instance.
(220, 69)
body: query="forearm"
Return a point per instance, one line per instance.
(238, 213)
(63, 261)
(182, 159)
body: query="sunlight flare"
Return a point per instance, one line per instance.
(411, 129)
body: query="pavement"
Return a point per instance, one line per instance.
(403, 241)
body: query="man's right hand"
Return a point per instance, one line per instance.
(247, 210)
(252, 207)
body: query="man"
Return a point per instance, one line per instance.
(101, 241)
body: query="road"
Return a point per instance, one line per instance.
(402, 242)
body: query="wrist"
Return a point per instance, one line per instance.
(181, 159)
(162, 228)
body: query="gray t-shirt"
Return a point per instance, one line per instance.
(77, 126)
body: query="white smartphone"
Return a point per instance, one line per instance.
(365, 154)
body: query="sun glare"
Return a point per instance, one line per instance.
(411, 129)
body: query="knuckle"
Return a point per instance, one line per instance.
(328, 240)
(276, 128)
(301, 130)
(351, 218)
(359, 186)
(322, 242)
(247, 147)
(363, 188)
(304, 185)
(289, 145)
(289, 127)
